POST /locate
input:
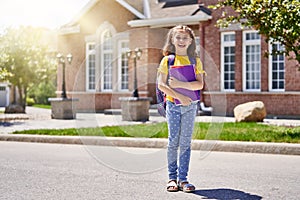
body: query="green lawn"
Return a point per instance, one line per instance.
(42, 106)
(209, 131)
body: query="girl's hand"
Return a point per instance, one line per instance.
(174, 83)
(184, 100)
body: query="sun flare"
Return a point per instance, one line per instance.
(45, 13)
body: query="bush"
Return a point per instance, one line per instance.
(42, 92)
(30, 102)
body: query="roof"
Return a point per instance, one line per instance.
(173, 12)
(152, 13)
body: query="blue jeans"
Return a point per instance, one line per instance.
(181, 126)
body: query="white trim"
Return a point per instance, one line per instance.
(147, 11)
(99, 53)
(131, 9)
(246, 43)
(163, 22)
(102, 63)
(228, 44)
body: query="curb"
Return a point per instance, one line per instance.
(201, 145)
(13, 117)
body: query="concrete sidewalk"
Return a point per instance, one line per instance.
(41, 119)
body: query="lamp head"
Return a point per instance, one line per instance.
(69, 58)
(128, 54)
(60, 58)
(138, 52)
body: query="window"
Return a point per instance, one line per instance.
(251, 61)
(91, 66)
(276, 69)
(107, 57)
(123, 65)
(228, 61)
(106, 61)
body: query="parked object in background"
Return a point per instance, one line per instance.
(250, 112)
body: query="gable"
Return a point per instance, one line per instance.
(95, 13)
(153, 13)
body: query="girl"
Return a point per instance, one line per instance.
(180, 118)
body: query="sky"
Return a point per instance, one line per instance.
(50, 14)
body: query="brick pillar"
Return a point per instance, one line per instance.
(239, 61)
(264, 68)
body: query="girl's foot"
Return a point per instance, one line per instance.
(172, 186)
(186, 186)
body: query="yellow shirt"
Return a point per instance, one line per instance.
(179, 61)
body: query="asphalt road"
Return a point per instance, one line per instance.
(60, 171)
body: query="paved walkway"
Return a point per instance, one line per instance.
(37, 118)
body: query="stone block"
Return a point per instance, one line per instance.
(250, 112)
(135, 109)
(62, 108)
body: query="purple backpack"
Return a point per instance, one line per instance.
(160, 96)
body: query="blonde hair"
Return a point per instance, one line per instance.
(169, 48)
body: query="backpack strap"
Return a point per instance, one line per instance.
(171, 60)
(192, 60)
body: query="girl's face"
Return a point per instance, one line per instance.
(181, 40)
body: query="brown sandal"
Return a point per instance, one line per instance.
(172, 186)
(186, 187)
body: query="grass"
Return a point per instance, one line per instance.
(204, 131)
(42, 106)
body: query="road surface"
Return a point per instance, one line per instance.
(59, 171)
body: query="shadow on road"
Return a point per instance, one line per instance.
(9, 124)
(226, 194)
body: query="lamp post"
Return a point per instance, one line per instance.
(136, 54)
(61, 60)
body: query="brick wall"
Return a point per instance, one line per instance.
(277, 103)
(151, 41)
(283, 104)
(105, 11)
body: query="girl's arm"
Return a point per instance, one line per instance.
(194, 85)
(162, 80)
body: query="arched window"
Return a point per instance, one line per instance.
(106, 61)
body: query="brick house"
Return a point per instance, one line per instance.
(100, 73)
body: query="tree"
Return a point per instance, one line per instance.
(24, 60)
(277, 20)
